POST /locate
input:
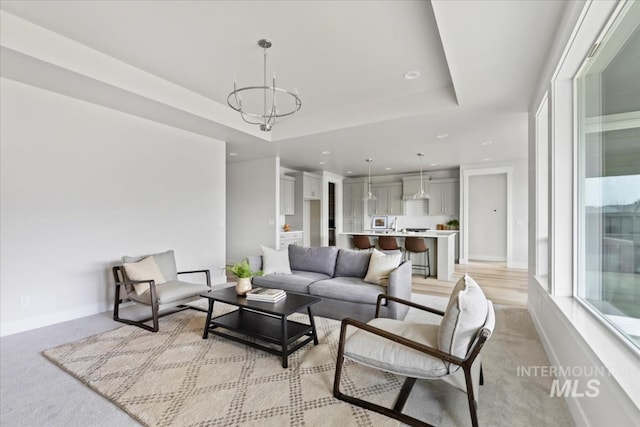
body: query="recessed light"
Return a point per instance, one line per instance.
(233, 154)
(387, 169)
(434, 164)
(349, 172)
(326, 152)
(442, 135)
(412, 75)
(322, 163)
(487, 143)
(486, 159)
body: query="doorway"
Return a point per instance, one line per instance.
(486, 215)
(487, 222)
(332, 214)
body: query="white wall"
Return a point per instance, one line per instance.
(571, 334)
(83, 185)
(253, 194)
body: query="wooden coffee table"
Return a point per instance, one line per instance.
(264, 321)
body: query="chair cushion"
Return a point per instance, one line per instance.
(172, 291)
(352, 263)
(275, 261)
(464, 316)
(381, 265)
(380, 353)
(145, 269)
(320, 259)
(166, 262)
(352, 289)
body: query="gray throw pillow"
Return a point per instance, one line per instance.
(318, 259)
(352, 263)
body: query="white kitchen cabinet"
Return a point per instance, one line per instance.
(411, 186)
(388, 200)
(352, 203)
(445, 197)
(312, 187)
(290, 238)
(353, 224)
(287, 195)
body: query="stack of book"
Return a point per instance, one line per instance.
(266, 294)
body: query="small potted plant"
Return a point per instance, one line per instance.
(242, 270)
(453, 224)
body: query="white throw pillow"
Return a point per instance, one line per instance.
(145, 269)
(380, 265)
(275, 261)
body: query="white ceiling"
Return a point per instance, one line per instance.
(478, 60)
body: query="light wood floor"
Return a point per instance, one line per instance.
(500, 284)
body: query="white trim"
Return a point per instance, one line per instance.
(466, 173)
(39, 321)
(571, 336)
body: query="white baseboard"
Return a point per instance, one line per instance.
(487, 258)
(16, 326)
(521, 265)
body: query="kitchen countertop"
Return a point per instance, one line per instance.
(428, 233)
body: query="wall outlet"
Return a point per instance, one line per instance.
(25, 301)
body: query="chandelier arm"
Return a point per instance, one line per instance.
(269, 114)
(235, 93)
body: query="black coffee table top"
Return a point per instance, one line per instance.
(291, 304)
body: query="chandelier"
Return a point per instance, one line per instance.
(421, 194)
(369, 195)
(267, 102)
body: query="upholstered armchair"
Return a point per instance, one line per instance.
(152, 280)
(448, 351)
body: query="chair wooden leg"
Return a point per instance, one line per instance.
(404, 394)
(471, 396)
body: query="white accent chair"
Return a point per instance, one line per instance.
(421, 350)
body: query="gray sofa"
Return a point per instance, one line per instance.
(336, 275)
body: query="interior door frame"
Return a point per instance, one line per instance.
(464, 202)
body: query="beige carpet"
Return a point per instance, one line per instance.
(175, 378)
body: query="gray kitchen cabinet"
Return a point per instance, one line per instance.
(445, 197)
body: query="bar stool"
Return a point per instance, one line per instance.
(362, 243)
(418, 245)
(388, 243)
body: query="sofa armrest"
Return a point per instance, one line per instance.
(255, 262)
(400, 287)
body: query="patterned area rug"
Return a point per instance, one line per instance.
(175, 378)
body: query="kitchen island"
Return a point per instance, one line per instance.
(441, 244)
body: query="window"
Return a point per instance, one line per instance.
(608, 182)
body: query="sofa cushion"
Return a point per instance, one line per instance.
(381, 265)
(352, 263)
(347, 289)
(275, 261)
(299, 281)
(318, 260)
(166, 263)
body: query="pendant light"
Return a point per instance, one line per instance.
(421, 194)
(369, 195)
